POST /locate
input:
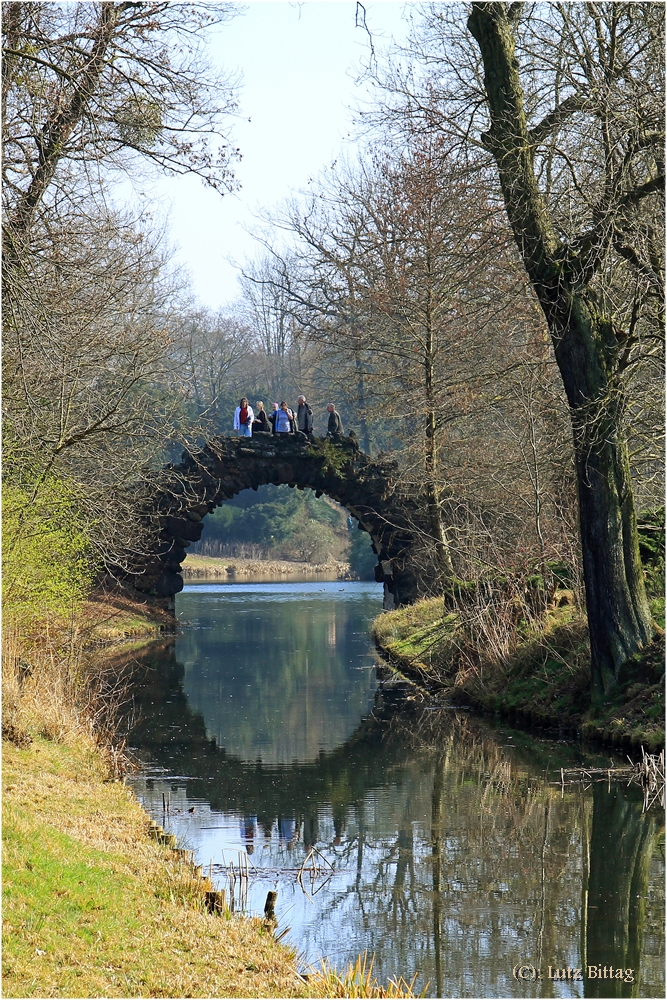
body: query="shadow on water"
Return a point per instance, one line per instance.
(622, 842)
(456, 852)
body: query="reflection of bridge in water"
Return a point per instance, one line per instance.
(174, 736)
(367, 488)
(496, 851)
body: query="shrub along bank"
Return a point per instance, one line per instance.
(544, 680)
(519, 646)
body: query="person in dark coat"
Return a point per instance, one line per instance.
(335, 425)
(261, 422)
(304, 417)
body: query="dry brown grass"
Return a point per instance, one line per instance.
(63, 694)
(228, 568)
(356, 981)
(53, 683)
(39, 691)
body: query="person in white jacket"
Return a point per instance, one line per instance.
(243, 418)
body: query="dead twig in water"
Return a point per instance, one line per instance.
(649, 773)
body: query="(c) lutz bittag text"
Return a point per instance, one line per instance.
(529, 973)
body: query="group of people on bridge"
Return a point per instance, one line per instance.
(283, 419)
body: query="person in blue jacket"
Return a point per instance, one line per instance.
(284, 422)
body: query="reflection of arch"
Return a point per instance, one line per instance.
(173, 735)
(226, 466)
(456, 757)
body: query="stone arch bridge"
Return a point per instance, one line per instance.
(205, 478)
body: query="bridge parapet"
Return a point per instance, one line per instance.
(206, 477)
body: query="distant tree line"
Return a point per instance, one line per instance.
(276, 522)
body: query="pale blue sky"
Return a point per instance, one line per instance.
(297, 62)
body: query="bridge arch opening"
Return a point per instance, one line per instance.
(188, 492)
(283, 524)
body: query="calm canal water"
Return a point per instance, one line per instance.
(446, 846)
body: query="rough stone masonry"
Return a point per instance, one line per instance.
(205, 478)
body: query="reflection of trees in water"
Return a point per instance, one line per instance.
(494, 873)
(455, 856)
(622, 841)
(269, 678)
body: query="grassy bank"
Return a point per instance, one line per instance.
(92, 907)
(544, 680)
(230, 568)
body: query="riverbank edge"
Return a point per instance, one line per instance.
(64, 813)
(557, 700)
(92, 906)
(114, 619)
(230, 568)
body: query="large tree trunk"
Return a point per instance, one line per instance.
(586, 350)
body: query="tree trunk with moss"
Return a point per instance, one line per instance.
(587, 352)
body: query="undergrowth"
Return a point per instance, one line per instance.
(544, 679)
(57, 692)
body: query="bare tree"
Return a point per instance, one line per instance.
(212, 352)
(607, 80)
(96, 83)
(273, 313)
(403, 276)
(565, 101)
(92, 390)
